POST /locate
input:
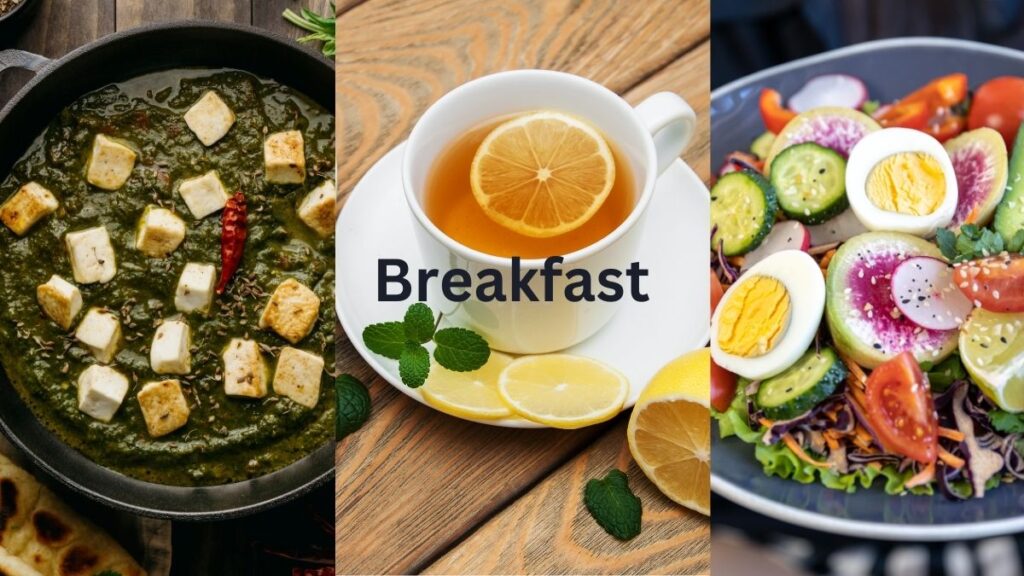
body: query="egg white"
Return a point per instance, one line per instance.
(874, 148)
(802, 278)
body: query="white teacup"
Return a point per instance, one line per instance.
(650, 137)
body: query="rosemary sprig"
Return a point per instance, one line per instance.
(322, 27)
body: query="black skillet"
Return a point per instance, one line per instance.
(58, 83)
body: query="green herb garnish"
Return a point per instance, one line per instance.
(614, 506)
(869, 107)
(456, 349)
(942, 375)
(1006, 422)
(353, 405)
(322, 27)
(975, 242)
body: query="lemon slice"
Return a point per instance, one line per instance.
(468, 394)
(542, 174)
(670, 431)
(992, 350)
(563, 391)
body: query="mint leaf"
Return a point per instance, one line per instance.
(414, 365)
(946, 240)
(419, 323)
(387, 339)
(613, 505)
(460, 350)
(1006, 422)
(353, 405)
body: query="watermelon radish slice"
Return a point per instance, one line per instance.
(979, 162)
(839, 229)
(832, 127)
(866, 324)
(840, 90)
(787, 235)
(925, 292)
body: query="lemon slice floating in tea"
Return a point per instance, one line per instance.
(468, 394)
(542, 174)
(670, 430)
(563, 391)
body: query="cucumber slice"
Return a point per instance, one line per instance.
(1010, 212)
(743, 211)
(762, 145)
(813, 378)
(810, 182)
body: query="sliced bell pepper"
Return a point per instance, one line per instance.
(773, 113)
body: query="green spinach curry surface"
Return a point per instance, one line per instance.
(226, 439)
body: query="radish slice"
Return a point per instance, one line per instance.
(830, 90)
(925, 293)
(788, 235)
(838, 229)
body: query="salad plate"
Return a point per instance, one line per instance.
(656, 331)
(889, 70)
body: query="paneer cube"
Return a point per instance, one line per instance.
(164, 407)
(101, 390)
(210, 118)
(91, 254)
(317, 209)
(30, 204)
(284, 158)
(291, 311)
(245, 371)
(60, 300)
(195, 288)
(110, 163)
(204, 194)
(170, 353)
(159, 232)
(298, 376)
(100, 333)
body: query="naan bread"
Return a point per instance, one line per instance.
(48, 537)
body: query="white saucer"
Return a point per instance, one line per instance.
(375, 222)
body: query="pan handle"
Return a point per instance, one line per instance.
(22, 59)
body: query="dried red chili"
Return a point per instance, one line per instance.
(232, 239)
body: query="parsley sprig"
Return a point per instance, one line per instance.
(456, 349)
(975, 242)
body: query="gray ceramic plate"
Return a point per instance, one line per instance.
(891, 68)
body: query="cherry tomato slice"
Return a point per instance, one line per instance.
(773, 113)
(999, 104)
(723, 387)
(995, 283)
(716, 291)
(900, 409)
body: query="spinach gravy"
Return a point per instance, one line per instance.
(225, 438)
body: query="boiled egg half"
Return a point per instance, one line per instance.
(901, 180)
(769, 317)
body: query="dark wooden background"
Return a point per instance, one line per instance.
(422, 492)
(53, 28)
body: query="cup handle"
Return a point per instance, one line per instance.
(671, 122)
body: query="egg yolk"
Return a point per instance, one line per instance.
(908, 183)
(754, 317)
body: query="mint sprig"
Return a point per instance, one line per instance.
(974, 242)
(456, 349)
(611, 502)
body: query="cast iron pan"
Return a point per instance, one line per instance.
(119, 57)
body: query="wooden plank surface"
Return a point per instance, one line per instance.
(133, 13)
(549, 531)
(413, 483)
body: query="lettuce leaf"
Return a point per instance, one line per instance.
(778, 460)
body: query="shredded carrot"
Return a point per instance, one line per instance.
(859, 397)
(926, 475)
(736, 261)
(950, 460)
(954, 435)
(792, 445)
(765, 422)
(857, 375)
(830, 439)
(823, 263)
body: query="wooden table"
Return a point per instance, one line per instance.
(419, 491)
(55, 28)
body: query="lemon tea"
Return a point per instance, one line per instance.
(449, 203)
